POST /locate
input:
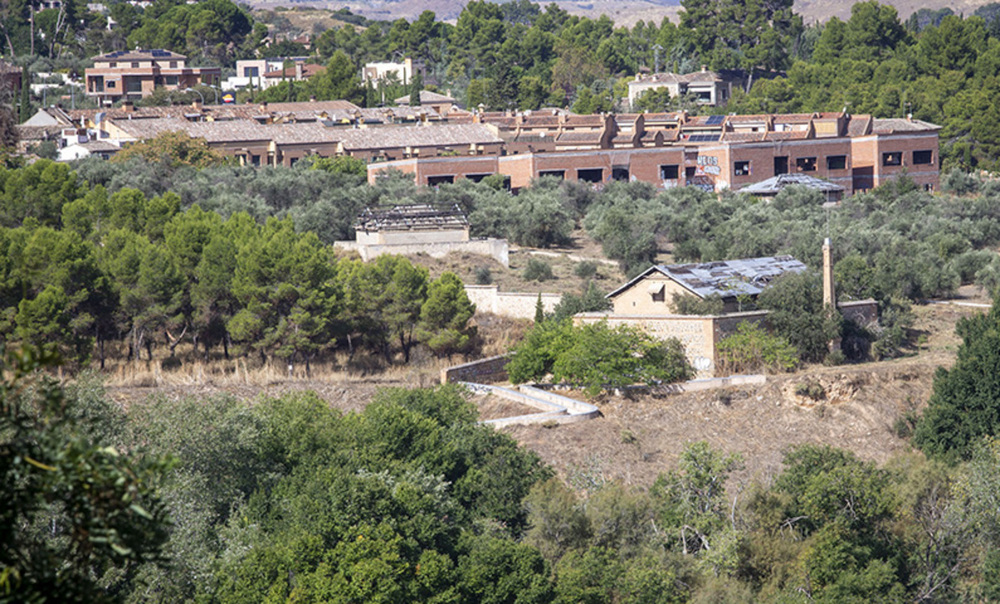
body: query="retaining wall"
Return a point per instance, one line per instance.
(488, 370)
(489, 298)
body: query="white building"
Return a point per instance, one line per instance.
(709, 87)
(403, 71)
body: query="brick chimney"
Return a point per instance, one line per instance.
(128, 106)
(298, 71)
(829, 295)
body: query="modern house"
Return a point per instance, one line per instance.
(707, 87)
(134, 74)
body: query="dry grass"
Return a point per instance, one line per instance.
(511, 279)
(640, 437)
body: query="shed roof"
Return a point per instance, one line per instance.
(726, 278)
(773, 185)
(419, 216)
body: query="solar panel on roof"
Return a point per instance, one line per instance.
(715, 120)
(703, 138)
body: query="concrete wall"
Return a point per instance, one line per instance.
(412, 237)
(488, 370)
(489, 298)
(494, 248)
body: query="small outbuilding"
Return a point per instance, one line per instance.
(653, 290)
(772, 186)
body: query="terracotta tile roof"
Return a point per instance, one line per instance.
(859, 125)
(38, 133)
(579, 121)
(426, 97)
(743, 137)
(786, 135)
(793, 118)
(899, 124)
(394, 137)
(588, 137)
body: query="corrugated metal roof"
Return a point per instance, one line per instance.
(726, 278)
(773, 185)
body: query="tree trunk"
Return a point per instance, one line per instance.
(225, 346)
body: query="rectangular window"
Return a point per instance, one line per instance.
(741, 168)
(112, 65)
(690, 172)
(560, 174)
(805, 164)
(836, 162)
(893, 158)
(433, 181)
(923, 157)
(135, 64)
(170, 80)
(173, 65)
(590, 175)
(669, 172)
(111, 84)
(250, 72)
(781, 165)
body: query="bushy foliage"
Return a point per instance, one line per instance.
(797, 315)
(174, 149)
(537, 270)
(592, 300)
(596, 357)
(963, 407)
(753, 349)
(689, 304)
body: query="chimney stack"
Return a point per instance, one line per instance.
(128, 106)
(829, 295)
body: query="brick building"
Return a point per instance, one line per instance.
(131, 74)
(714, 152)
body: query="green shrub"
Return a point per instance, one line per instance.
(483, 275)
(689, 304)
(811, 390)
(537, 270)
(752, 349)
(596, 357)
(585, 270)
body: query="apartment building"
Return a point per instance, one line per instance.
(714, 152)
(134, 74)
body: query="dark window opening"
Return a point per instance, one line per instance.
(705, 96)
(689, 172)
(590, 175)
(669, 172)
(255, 160)
(894, 158)
(134, 65)
(433, 181)
(781, 165)
(836, 162)
(741, 168)
(619, 174)
(560, 174)
(805, 164)
(476, 177)
(923, 157)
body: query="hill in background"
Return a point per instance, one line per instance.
(623, 12)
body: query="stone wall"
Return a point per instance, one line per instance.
(494, 248)
(488, 370)
(698, 334)
(489, 298)
(862, 312)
